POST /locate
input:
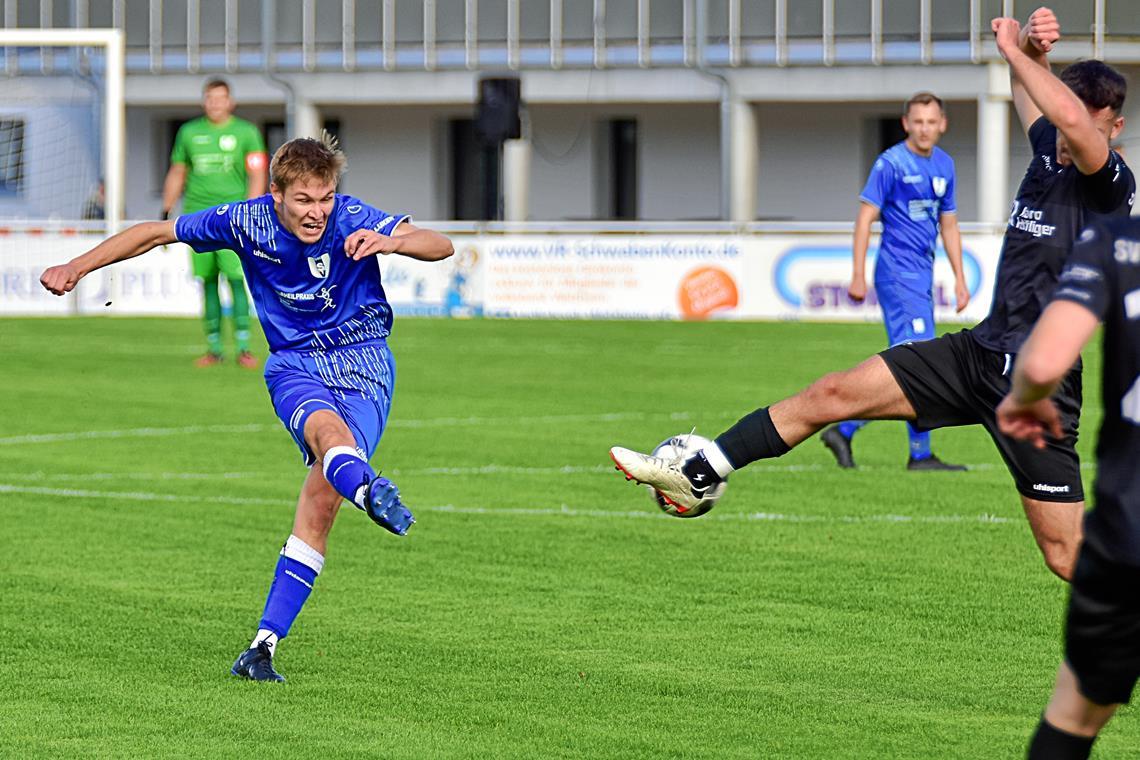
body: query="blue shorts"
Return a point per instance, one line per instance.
(355, 382)
(908, 311)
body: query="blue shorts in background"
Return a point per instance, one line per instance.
(908, 309)
(354, 381)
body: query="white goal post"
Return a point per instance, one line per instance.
(114, 75)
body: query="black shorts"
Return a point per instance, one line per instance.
(954, 380)
(1102, 628)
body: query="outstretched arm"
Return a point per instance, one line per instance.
(406, 240)
(1057, 102)
(133, 241)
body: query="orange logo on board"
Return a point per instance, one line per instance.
(705, 290)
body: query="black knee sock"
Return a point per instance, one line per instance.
(753, 437)
(1051, 743)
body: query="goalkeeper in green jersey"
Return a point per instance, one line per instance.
(217, 158)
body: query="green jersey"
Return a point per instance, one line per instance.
(217, 157)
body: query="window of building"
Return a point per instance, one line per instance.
(11, 156)
(615, 169)
(623, 169)
(476, 173)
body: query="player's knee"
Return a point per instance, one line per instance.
(325, 430)
(827, 397)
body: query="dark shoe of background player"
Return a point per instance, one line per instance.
(839, 445)
(933, 464)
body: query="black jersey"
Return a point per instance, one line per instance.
(1053, 204)
(1103, 275)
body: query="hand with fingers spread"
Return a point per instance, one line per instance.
(364, 243)
(1029, 422)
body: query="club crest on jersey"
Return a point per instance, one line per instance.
(939, 185)
(227, 142)
(319, 266)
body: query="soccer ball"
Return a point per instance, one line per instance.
(683, 447)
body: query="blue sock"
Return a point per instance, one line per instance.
(849, 428)
(919, 443)
(297, 570)
(348, 472)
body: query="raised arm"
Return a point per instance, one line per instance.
(406, 240)
(1035, 40)
(1059, 104)
(133, 241)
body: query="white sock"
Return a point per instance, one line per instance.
(717, 460)
(270, 639)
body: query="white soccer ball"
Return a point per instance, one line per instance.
(683, 447)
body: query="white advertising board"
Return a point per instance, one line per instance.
(589, 275)
(805, 276)
(612, 276)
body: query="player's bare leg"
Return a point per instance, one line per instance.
(1071, 711)
(1057, 530)
(1070, 723)
(867, 391)
(317, 507)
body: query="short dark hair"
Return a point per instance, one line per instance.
(923, 99)
(215, 83)
(1097, 84)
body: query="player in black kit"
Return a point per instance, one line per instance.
(1101, 282)
(959, 379)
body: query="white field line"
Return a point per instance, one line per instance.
(473, 471)
(564, 510)
(154, 432)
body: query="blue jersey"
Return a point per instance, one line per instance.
(308, 297)
(911, 193)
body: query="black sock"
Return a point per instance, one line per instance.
(1051, 743)
(699, 472)
(753, 437)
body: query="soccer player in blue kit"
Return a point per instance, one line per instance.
(1073, 179)
(911, 187)
(307, 255)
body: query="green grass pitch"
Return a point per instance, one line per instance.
(542, 606)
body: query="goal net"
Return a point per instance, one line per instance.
(61, 156)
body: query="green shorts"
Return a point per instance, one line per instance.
(206, 266)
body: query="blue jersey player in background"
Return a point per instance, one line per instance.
(307, 255)
(911, 188)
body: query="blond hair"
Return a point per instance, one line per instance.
(307, 157)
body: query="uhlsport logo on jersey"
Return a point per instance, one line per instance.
(939, 184)
(319, 266)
